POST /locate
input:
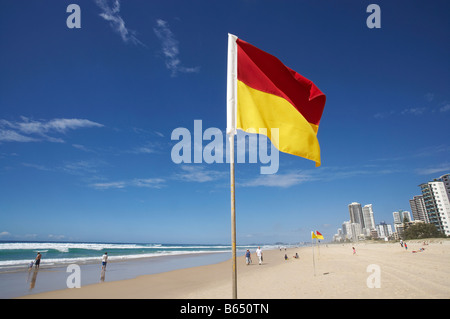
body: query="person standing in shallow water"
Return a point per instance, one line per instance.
(37, 261)
(104, 260)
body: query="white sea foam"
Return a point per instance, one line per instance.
(127, 252)
(64, 247)
(84, 260)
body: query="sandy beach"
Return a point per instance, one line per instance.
(376, 271)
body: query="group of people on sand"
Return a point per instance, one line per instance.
(248, 256)
(259, 254)
(403, 244)
(295, 256)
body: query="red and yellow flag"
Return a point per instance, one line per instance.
(319, 235)
(271, 95)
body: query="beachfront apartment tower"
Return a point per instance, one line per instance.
(437, 204)
(397, 218)
(369, 221)
(418, 209)
(384, 230)
(401, 216)
(446, 180)
(356, 215)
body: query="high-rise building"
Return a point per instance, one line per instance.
(356, 215)
(356, 231)
(384, 230)
(446, 180)
(346, 230)
(406, 216)
(437, 204)
(401, 216)
(418, 209)
(397, 217)
(369, 221)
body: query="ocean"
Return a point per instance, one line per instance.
(125, 261)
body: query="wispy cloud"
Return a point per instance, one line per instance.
(278, 180)
(441, 168)
(12, 136)
(294, 178)
(111, 13)
(28, 130)
(83, 148)
(414, 110)
(137, 182)
(431, 107)
(37, 166)
(429, 151)
(170, 49)
(194, 173)
(445, 108)
(4, 234)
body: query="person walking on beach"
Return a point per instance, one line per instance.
(259, 254)
(248, 257)
(37, 261)
(104, 260)
(406, 246)
(354, 251)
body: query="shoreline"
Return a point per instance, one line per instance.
(337, 274)
(22, 283)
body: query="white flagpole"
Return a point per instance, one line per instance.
(318, 247)
(231, 131)
(312, 245)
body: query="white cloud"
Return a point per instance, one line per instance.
(445, 108)
(414, 111)
(81, 148)
(4, 234)
(170, 49)
(36, 166)
(56, 237)
(194, 173)
(278, 180)
(137, 182)
(110, 12)
(109, 185)
(27, 130)
(11, 136)
(445, 167)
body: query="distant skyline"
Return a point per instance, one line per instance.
(86, 117)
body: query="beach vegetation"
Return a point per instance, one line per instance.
(422, 230)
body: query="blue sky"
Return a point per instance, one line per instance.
(86, 117)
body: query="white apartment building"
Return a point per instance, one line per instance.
(437, 204)
(418, 209)
(356, 215)
(369, 221)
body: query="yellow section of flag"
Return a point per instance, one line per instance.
(319, 235)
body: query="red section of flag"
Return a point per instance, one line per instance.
(264, 72)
